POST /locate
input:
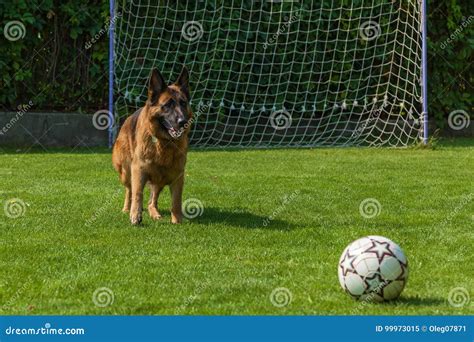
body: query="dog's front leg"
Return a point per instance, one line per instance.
(176, 198)
(153, 203)
(138, 183)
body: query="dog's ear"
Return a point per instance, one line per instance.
(183, 81)
(156, 86)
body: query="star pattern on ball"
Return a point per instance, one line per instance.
(404, 274)
(347, 263)
(380, 249)
(376, 269)
(375, 284)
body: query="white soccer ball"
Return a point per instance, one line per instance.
(373, 268)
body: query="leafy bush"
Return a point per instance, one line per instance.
(450, 61)
(51, 65)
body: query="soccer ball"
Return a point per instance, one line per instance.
(373, 268)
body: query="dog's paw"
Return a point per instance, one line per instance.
(126, 210)
(156, 216)
(176, 220)
(135, 219)
(154, 213)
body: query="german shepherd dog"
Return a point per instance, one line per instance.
(152, 146)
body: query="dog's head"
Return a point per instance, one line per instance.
(168, 106)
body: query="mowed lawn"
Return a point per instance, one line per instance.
(73, 239)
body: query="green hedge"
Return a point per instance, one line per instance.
(450, 61)
(53, 65)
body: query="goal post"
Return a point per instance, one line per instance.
(279, 73)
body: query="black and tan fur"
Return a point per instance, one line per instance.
(152, 146)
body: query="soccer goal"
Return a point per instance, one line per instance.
(280, 73)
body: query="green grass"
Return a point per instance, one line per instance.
(226, 261)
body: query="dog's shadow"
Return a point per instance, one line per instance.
(239, 217)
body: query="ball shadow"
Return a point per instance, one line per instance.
(418, 301)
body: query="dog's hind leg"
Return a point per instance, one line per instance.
(155, 191)
(125, 179)
(128, 200)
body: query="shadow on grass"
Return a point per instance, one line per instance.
(464, 142)
(213, 216)
(418, 301)
(456, 142)
(402, 302)
(240, 218)
(35, 149)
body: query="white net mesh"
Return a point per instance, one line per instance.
(266, 74)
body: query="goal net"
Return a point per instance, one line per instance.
(279, 73)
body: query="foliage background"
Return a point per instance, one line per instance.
(52, 65)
